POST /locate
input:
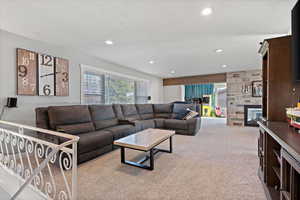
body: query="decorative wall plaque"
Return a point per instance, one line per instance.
(26, 72)
(41, 74)
(61, 77)
(46, 75)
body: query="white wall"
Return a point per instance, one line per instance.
(26, 104)
(173, 93)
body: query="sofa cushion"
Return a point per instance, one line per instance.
(162, 111)
(106, 123)
(118, 111)
(145, 111)
(130, 112)
(121, 131)
(159, 123)
(145, 124)
(42, 118)
(67, 115)
(75, 129)
(103, 116)
(163, 115)
(162, 108)
(94, 140)
(176, 124)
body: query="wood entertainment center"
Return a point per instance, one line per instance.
(278, 143)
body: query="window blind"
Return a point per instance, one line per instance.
(105, 88)
(93, 86)
(141, 90)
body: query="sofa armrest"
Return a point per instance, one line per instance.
(194, 125)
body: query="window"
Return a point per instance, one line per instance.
(109, 88)
(120, 90)
(93, 88)
(141, 92)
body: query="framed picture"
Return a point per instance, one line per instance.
(257, 88)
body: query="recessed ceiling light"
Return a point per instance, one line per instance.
(207, 11)
(151, 62)
(172, 71)
(224, 66)
(219, 50)
(109, 42)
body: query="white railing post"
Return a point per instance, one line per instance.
(74, 172)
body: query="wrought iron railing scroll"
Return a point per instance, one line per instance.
(46, 168)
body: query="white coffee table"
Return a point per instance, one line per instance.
(146, 141)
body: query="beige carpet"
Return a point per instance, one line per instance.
(220, 163)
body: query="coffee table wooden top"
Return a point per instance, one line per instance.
(145, 140)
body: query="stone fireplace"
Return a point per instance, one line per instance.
(239, 93)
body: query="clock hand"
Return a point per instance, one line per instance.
(49, 74)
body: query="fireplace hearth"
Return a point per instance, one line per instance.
(252, 113)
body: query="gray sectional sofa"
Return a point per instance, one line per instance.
(99, 125)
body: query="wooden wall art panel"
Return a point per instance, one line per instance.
(41, 74)
(26, 72)
(46, 75)
(61, 77)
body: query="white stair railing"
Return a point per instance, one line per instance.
(46, 168)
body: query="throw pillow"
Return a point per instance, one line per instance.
(181, 115)
(181, 110)
(191, 114)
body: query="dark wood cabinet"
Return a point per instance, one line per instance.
(290, 176)
(279, 156)
(278, 144)
(279, 89)
(261, 153)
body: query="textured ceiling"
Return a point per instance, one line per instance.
(173, 33)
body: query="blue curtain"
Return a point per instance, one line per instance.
(197, 91)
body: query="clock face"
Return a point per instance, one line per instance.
(61, 77)
(26, 72)
(46, 75)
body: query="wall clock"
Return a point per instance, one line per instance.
(61, 77)
(41, 74)
(26, 72)
(46, 75)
